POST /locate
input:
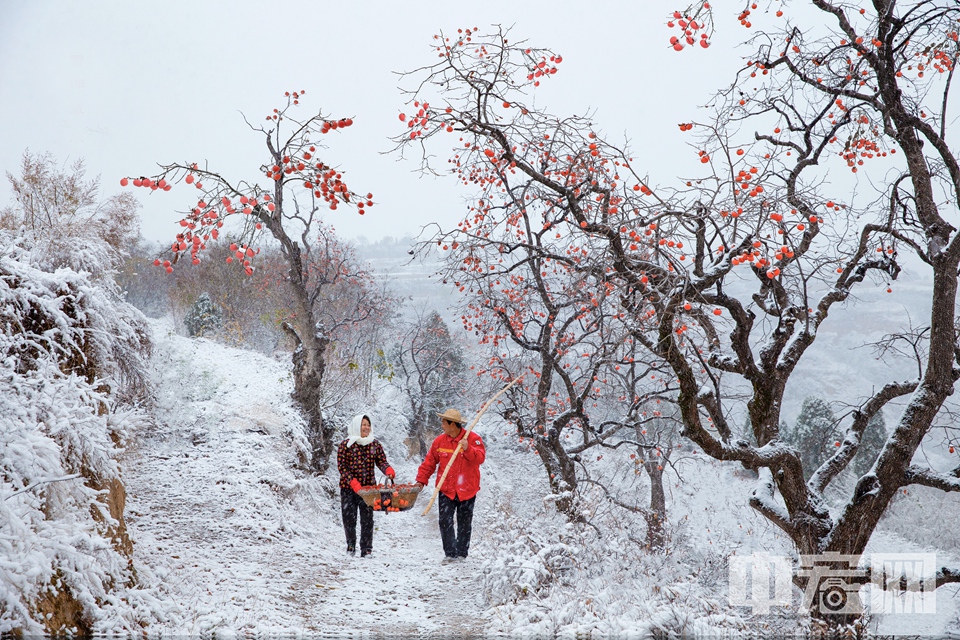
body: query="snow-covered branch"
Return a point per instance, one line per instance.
(38, 483)
(616, 501)
(946, 575)
(851, 442)
(763, 500)
(931, 478)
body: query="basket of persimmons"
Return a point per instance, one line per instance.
(390, 496)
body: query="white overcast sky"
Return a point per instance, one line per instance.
(127, 85)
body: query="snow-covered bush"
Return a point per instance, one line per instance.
(553, 578)
(61, 220)
(530, 559)
(73, 361)
(204, 316)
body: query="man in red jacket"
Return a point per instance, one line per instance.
(459, 490)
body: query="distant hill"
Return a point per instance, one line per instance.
(410, 278)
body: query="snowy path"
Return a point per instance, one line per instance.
(402, 587)
(244, 543)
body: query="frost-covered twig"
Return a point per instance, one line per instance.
(34, 485)
(611, 498)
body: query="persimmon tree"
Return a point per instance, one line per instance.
(648, 413)
(540, 314)
(531, 292)
(726, 279)
(863, 88)
(285, 202)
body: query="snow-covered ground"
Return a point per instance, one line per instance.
(242, 541)
(229, 527)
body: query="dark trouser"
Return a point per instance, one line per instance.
(350, 503)
(456, 545)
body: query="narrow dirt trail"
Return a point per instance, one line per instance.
(243, 542)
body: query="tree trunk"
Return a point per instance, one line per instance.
(308, 370)
(657, 513)
(562, 474)
(418, 433)
(309, 358)
(309, 366)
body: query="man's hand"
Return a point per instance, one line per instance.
(462, 444)
(419, 485)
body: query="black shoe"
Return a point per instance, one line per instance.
(352, 551)
(365, 552)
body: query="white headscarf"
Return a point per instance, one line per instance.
(353, 431)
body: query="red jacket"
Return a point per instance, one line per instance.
(463, 481)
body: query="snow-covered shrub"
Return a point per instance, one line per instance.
(60, 218)
(529, 560)
(204, 316)
(73, 356)
(553, 578)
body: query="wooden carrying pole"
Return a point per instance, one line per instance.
(456, 450)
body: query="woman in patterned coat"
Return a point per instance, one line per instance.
(356, 457)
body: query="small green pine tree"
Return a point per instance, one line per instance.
(814, 434)
(871, 443)
(204, 316)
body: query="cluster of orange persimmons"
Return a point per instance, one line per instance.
(297, 161)
(689, 28)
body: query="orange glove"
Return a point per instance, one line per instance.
(355, 485)
(390, 473)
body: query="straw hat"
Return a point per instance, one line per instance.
(452, 415)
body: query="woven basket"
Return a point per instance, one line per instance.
(390, 497)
